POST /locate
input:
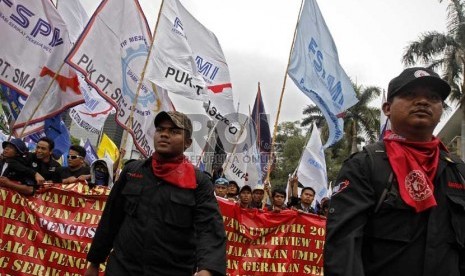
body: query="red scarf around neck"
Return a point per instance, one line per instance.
(177, 171)
(415, 165)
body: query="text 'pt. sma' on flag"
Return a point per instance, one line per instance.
(316, 71)
(115, 67)
(36, 44)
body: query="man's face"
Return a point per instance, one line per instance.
(9, 151)
(170, 141)
(232, 189)
(43, 151)
(278, 200)
(245, 196)
(220, 190)
(257, 195)
(414, 112)
(74, 159)
(307, 197)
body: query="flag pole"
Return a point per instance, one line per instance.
(275, 129)
(41, 99)
(139, 85)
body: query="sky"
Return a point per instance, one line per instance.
(256, 37)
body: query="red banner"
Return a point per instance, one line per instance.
(266, 243)
(49, 233)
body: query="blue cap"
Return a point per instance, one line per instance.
(221, 181)
(17, 143)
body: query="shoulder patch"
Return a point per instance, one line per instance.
(340, 186)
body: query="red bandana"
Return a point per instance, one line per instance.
(177, 171)
(415, 165)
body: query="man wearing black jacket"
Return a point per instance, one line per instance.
(399, 207)
(161, 217)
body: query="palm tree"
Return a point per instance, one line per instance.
(445, 51)
(361, 122)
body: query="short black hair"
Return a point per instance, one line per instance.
(49, 141)
(278, 191)
(80, 150)
(308, 188)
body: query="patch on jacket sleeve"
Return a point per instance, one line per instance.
(340, 186)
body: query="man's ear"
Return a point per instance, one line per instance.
(387, 109)
(187, 143)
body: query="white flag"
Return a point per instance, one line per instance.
(315, 69)
(243, 164)
(92, 114)
(312, 168)
(38, 43)
(172, 64)
(111, 53)
(213, 67)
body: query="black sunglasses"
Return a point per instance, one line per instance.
(74, 156)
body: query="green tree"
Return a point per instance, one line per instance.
(445, 51)
(289, 145)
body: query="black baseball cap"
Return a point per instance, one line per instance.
(415, 76)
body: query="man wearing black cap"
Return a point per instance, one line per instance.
(15, 174)
(161, 217)
(399, 206)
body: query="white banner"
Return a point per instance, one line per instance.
(114, 67)
(315, 69)
(36, 43)
(312, 168)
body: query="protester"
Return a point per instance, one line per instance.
(77, 169)
(324, 207)
(221, 187)
(399, 207)
(245, 197)
(43, 163)
(258, 193)
(232, 190)
(278, 197)
(15, 173)
(307, 195)
(161, 217)
(101, 173)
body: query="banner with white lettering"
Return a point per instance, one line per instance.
(316, 71)
(49, 233)
(38, 43)
(114, 68)
(267, 243)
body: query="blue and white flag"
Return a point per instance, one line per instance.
(91, 154)
(312, 168)
(315, 69)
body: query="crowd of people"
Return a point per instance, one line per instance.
(398, 207)
(276, 200)
(25, 171)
